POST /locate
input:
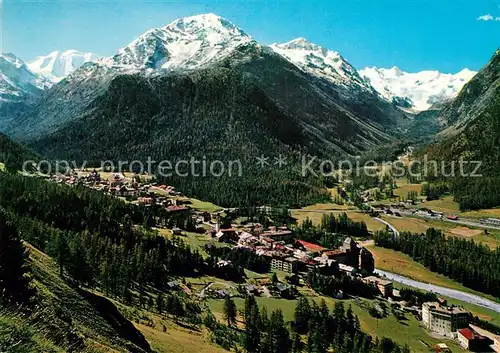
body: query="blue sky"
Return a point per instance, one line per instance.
(412, 34)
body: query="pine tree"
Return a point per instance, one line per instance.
(229, 311)
(279, 336)
(302, 315)
(264, 320)
(160, 303)
(350, 321)
(14, 279)
(78, 266)
(59, 250)
(250, 302)
(193, 313)
(251, 335)
(297, 344)
(274, 279)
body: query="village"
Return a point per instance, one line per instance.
(294, 259)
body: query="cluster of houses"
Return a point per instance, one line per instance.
(453, 322)
(294, 256)
(134, 189)
(397, 209)
(490, 221)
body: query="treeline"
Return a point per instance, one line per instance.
(241, 257)
(343, 225)
(479, 187)
(472, 264)
(314, 329)
(434, 190)
(332, 230)
(13, 155)
(331, 286)
(476, 193)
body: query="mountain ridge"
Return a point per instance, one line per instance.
(19, 88)
(58, 64)
(187, 43)
(418, 91)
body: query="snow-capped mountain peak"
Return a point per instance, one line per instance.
(418, 91)
(186, 43)
(321, 62)
(302, 43)
(17, 81)
(57, 65)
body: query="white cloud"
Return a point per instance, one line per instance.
(486, 17)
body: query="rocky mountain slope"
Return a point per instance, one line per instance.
(252, 103)
(57, 65)
(475, 114)
(340, 79)
(476, 97)
(417, 91)
(17, 80)
(187, 43)
(19, 87)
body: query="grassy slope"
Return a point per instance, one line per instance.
(165, 336)
(69, 311)
(87, 322)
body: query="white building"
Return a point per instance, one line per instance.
(444, 320)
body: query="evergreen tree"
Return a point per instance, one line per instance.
(78, 265)
(160, 303)
(14, 279)
(264, 320)
(252, 333)
(278, 338)
(297, 344)
(229, 311)
(193, 313)
(302, 315)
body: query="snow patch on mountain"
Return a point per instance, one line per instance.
(320, 62)
(17, 81)
(57, 65)
(186, 43)
(417, 91)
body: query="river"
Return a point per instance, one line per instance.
(448, 292)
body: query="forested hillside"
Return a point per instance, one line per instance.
(475, 97)
(101, 244)
(13, 154)
(476, 113)
(479, 143)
